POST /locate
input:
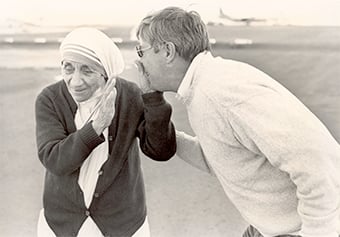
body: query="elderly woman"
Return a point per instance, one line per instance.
(87, 127)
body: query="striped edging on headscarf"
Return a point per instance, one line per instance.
(79, 49)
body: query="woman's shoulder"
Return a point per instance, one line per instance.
(126, 86)
(53, 87)
(51, 91)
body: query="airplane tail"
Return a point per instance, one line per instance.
(223, 15)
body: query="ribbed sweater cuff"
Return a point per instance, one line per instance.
(90, 137)
(153, 98)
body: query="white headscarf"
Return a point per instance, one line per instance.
(96, 46)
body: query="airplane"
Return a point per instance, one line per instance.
(16, 26)
(14, 31)
(247, 20)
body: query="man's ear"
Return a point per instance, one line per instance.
(170, 49)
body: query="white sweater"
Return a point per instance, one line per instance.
(276, 161)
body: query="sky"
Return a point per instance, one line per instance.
(130, 12)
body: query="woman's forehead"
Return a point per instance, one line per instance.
(76, 64)
(81, 59)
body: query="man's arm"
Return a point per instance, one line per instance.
(189, 150)
(296, 142)
(156, 131)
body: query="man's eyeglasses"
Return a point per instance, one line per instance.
(140, 51)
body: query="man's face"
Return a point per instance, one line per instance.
(154, 65)
(82, 80)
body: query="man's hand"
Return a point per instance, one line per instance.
(144, 82)
(106, 108)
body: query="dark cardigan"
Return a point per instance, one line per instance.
(118, 207)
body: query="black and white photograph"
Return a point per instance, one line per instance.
(170, 118)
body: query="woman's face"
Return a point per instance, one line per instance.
(82, 80)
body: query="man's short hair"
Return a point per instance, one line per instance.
(185, 30)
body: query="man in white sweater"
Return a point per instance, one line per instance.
(276, 161)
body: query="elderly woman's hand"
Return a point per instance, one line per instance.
(106, 109)
(144, 82)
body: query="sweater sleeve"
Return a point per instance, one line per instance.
(189, 150)
(61, 153)
(156, 131)
(296, 142)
